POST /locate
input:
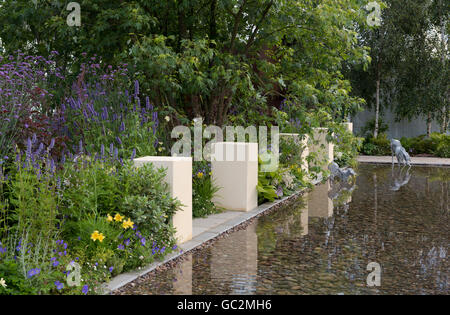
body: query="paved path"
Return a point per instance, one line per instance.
(414, 160)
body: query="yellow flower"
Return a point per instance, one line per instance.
(94, 236)
(118, 218)
(127, 224)
(199, 174)
(97, 236)
(109, 218)
(101, 237)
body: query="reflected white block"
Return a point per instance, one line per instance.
(319, 204)
(179, 179)
(236, 258)
(234, 167)
(304, 215)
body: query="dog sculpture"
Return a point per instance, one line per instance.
(400, 152)
(343, 173)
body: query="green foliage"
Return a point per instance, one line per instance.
(346, 147)
(291, 150)
(33, 200)
(203, 191)
(376, 146)
(212, 60)
(14, 280)
(437, 144)
(369, 127)
(266, 191)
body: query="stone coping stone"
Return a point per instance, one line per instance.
(432, 161)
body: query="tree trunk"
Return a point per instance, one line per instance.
(212, 20)
(377, 109)
(444, 120)
(429, 124)
(445, 110)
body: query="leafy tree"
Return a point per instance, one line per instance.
(222, 60)
(409, 70)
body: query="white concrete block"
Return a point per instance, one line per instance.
(234, 167)
(349, 126)
(179, 178)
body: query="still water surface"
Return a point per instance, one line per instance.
(323, 243)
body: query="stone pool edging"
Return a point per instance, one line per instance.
(418, 161)
(199, 242)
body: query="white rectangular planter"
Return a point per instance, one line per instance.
(234, 167)
(320, 146)
(179, 178)
(349, 126)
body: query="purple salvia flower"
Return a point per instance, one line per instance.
(136, 87)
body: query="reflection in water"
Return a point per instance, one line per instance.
(319, 204)
(224, 261)
(399, 179)
(311, 248)
(183, 282)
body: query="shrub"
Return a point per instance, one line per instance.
(369, 127)
(443, 145)
(103, 112)
(346, 146)
(203, 191)
(377, 146)
(28, 85)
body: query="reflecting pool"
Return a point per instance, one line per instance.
(323, 243)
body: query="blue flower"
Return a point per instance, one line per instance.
(33, 272)
(127, 242)
(59, 285)
(55, 263)
(143, 241)
(121, 246)
(111, 269)
(85, 289)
